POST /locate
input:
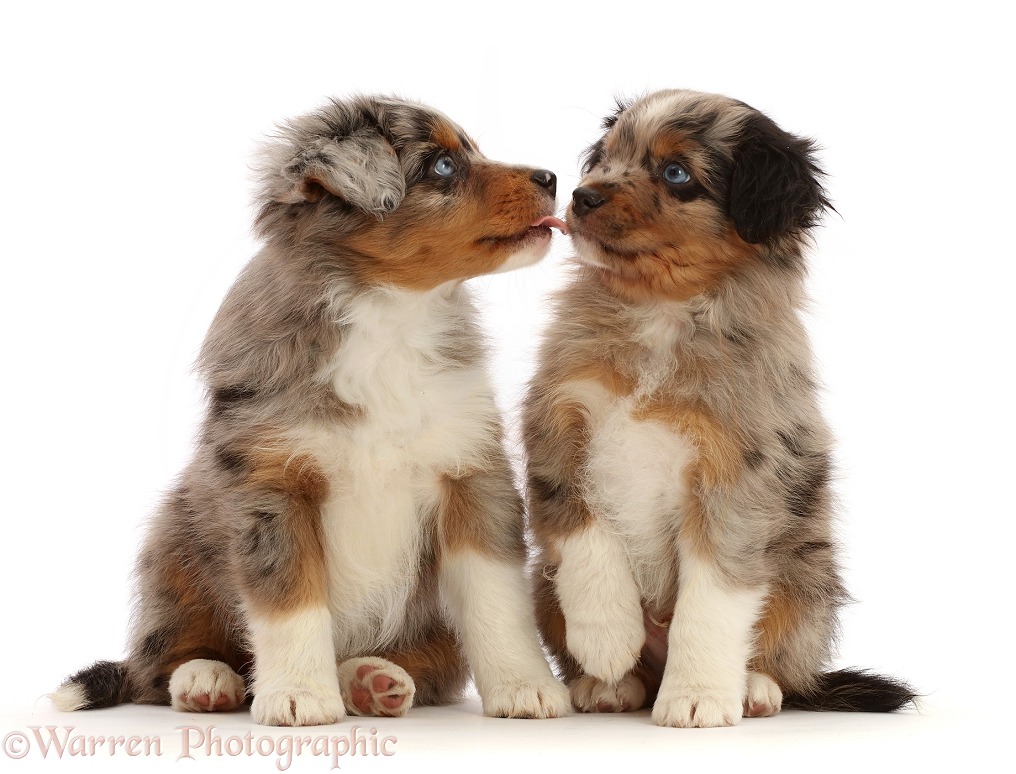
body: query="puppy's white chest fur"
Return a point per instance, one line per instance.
(634, 477)
(420, 419)
(634, 484)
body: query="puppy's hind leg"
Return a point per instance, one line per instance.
(375, 686)
(482, 577)
(590, 694)
(204, 685)
(184, 650)
(764, 697)
(793, 636)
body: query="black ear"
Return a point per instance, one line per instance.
(775, 186)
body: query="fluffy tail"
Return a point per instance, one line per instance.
(853, 690)
(103, 684)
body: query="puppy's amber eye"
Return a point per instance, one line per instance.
(444, 166)
(676, 174)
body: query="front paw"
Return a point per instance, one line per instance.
(297, 706)
(697, 708)
(607, 649)
(520, 698)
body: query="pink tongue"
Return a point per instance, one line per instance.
(552, 222)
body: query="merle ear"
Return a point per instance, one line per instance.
(361, 168)
(593, 155)
(775, 186)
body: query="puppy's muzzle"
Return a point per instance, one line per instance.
(586, 199)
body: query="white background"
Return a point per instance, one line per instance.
(124, 197)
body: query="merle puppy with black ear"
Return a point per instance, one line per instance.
(348, 537)
(678, 464)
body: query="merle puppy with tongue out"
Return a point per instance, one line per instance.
(348, 537)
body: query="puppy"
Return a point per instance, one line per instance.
(347, 537)
(678, 464)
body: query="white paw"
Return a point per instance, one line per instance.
(203, 685)
(297, 706)
(374, 686)
(608, 648)
(537, 698)
(590, 694)
(697, 709)
(764, 697)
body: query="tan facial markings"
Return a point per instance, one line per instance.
(436, 236)
(647, 240)
(447, 137)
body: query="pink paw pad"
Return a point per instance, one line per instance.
(376, 687)
(755, 710)
(764, 697)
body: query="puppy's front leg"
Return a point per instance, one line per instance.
(279, 557)
(709, 643)
(601, 603)
(592, 579)
(483, 582)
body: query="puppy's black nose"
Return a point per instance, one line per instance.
(545, 179)
(586, 199)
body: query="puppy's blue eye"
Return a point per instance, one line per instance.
(444, 166)
(675, 174)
